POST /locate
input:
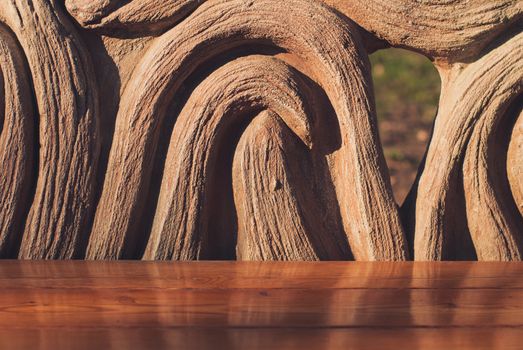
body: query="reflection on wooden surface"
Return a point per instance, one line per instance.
(232, 305)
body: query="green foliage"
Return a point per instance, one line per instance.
(395, 155)
(404, 83)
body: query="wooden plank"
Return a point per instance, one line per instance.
(164, 308)
(252, 339)
(267, 275)
(228, 305)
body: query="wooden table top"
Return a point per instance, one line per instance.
(233, 305)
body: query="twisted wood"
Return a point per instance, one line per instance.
(240, 129)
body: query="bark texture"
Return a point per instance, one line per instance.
(514, 163)
(240, 129)
(66, 99)
(466, 151)
(16, 142)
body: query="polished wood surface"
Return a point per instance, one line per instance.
(234, 305)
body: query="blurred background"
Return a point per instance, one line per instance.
(407, 90)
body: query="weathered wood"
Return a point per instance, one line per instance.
(369, 214)
(278, 212)
(514, 163)
(130, 16)
(449, 31)
(16, 143)
(240, 129)
(474, 101)
(67, 101)
(205, 125)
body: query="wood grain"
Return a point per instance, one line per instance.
(247, 130)
(463, 153)
(66, 98)
(17, 124)
(339, 66)
(450, 31)
(238, 305)
(288, 339)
